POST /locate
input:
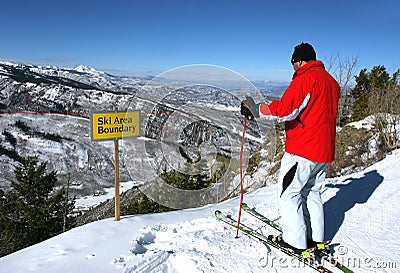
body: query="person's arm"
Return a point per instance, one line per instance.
(293, 101)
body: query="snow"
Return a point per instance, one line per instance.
(362, 219)
(366, 123)
(87, 69)
(89, 202)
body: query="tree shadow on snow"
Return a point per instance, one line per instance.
(356, 191)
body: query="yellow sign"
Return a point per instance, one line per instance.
(115, 125)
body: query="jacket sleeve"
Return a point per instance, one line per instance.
(293, 101)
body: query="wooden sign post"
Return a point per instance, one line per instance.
(114, 126)
(116, 181)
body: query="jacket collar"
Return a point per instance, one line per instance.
(306, 67)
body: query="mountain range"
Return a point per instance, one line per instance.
(45, 112)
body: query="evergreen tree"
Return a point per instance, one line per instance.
(31, 211)
(366, 84)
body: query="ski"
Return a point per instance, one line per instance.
(307, 261)
(322, 250)
(261, 217)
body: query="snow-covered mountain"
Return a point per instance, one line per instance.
(273, 89)
(45, 111)
(82, 77)
(361, 217)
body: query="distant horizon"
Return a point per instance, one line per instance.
(135, 73)
(140, 74)
(154, 73)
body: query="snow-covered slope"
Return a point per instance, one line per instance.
(361, 216)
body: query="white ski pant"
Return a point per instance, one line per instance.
(300, 205)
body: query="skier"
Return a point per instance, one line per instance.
(309, 108)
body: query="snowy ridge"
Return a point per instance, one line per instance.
(82, 76)
(86, 69)
(362, 216)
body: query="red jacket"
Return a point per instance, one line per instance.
(309, 108)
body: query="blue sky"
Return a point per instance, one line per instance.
(254, 38)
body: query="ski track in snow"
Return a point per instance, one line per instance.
(190, 247)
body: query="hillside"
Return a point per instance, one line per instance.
(361, 218)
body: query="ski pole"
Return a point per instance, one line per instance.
(241, 176)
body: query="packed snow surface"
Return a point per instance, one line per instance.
(361, 218)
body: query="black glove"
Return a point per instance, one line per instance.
(249, 108)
